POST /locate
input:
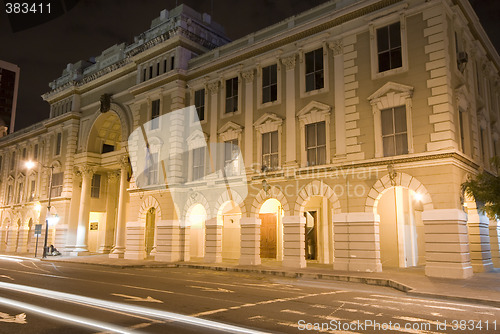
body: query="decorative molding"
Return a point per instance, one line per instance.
(314, 112)
(248, 75)
(213, 87)
(230, 131)
(337, 47)
(289, 62)
(267, 123)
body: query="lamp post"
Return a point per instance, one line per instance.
(29, 165)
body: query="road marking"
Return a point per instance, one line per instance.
(148, 299)
(292, 311)
(427, 301)
(9, 258)
(8, 277)
(92, 302)
(18, 319)
(204, 288)
(410, 304)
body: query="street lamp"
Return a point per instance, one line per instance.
(53, 220)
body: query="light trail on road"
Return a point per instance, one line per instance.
(62, 296)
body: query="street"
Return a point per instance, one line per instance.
(44, 297)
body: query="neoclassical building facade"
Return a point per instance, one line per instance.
(343, 135)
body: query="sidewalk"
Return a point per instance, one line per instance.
(482, 288)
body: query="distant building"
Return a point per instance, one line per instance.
(9, 86)
(357, 121)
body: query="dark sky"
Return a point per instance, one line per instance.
(91, 26)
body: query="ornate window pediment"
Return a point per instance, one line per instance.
(20, 176)
(230, 131)
(10, 178)
(391, 94)
(267, 123)
(314, 112)
(197, 139)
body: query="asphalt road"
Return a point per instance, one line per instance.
(43, 297)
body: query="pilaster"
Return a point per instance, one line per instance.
(213, 241)
(250, 241)
(294, 255)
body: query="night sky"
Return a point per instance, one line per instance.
(42, 52)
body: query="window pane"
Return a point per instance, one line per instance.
(382, 39)
(309, 62)
(309, 82)
(321, 134)
(318, 79)
(310, 135)
(396, 58)
(274, 73)
(389, 148)
(401, 144)
(387, 127)
(266, 94)
(318, 59)
(384, 62)
(395, 35)
(265, 76)
(321, 155)
(274, 160)
(274, 141)
(265, 143)
(274, 93)
(400, 119)
(311, 157)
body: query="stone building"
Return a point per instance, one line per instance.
(9, 86)
(354, 124)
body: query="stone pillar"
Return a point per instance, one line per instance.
(84, 212)
(119, 248)
(12, 239)
(356, 242)
(446, 243)
(339, 88)
(294, 255)
(167, 241)
(250, 241)
(74, 207)
(135, 247)
(290, 119)
(495, 242)
(213, 241)
(479, 240)
(22, 239)
(249, 129)
(111, 201)
(185, 242)
(213, 88)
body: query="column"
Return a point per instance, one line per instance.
(168, 241)
(74, 207)
(213, 241)
(291, 139)
(356, 242)
(119, 248)
(134, 250)
(213, 88)
(250, 241)
(83, 214)
(185, 242)
(495, 242)
(107, 237)
(446, 244)
(479, 239)
(294, 239)
(338, 65)
(249, 129)
(176, 137)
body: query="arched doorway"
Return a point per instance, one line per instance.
(401, 228)
(150, 231)
(196, 218)
(229, 216)
(271, 229)
(106, 134)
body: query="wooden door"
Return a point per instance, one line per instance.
(268, 235)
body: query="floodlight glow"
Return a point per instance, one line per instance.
(418, 197)
(29, 164)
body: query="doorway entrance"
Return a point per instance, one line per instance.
(310, 240)
(268, 235)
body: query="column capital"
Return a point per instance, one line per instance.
(289, 62)
(123, 161)
(113, 176)
(337, 47)
(248, 75)
(213, 87)
(87, 170)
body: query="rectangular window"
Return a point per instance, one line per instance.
(172, 62)
(478, 79)
(158, 68)
(231, 152)
(58, 143)
(1, 158)
(389, 47)
(482, 144)
(232, 95)
(198, 163)
(12, 161)
(106, 148)
(199, 103)
(150, 71)
(316, 144)
(270, 83)
(152, 169)
(164, 65)
(32, 191)
(19, 193)
(24, 153)
(462, 134)
(57, 184)
(95, 187)
(35, 152)
(155, 113)
(9, 194)
(144, 77)
(394, 132)
(269, 150)
(315, 77)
